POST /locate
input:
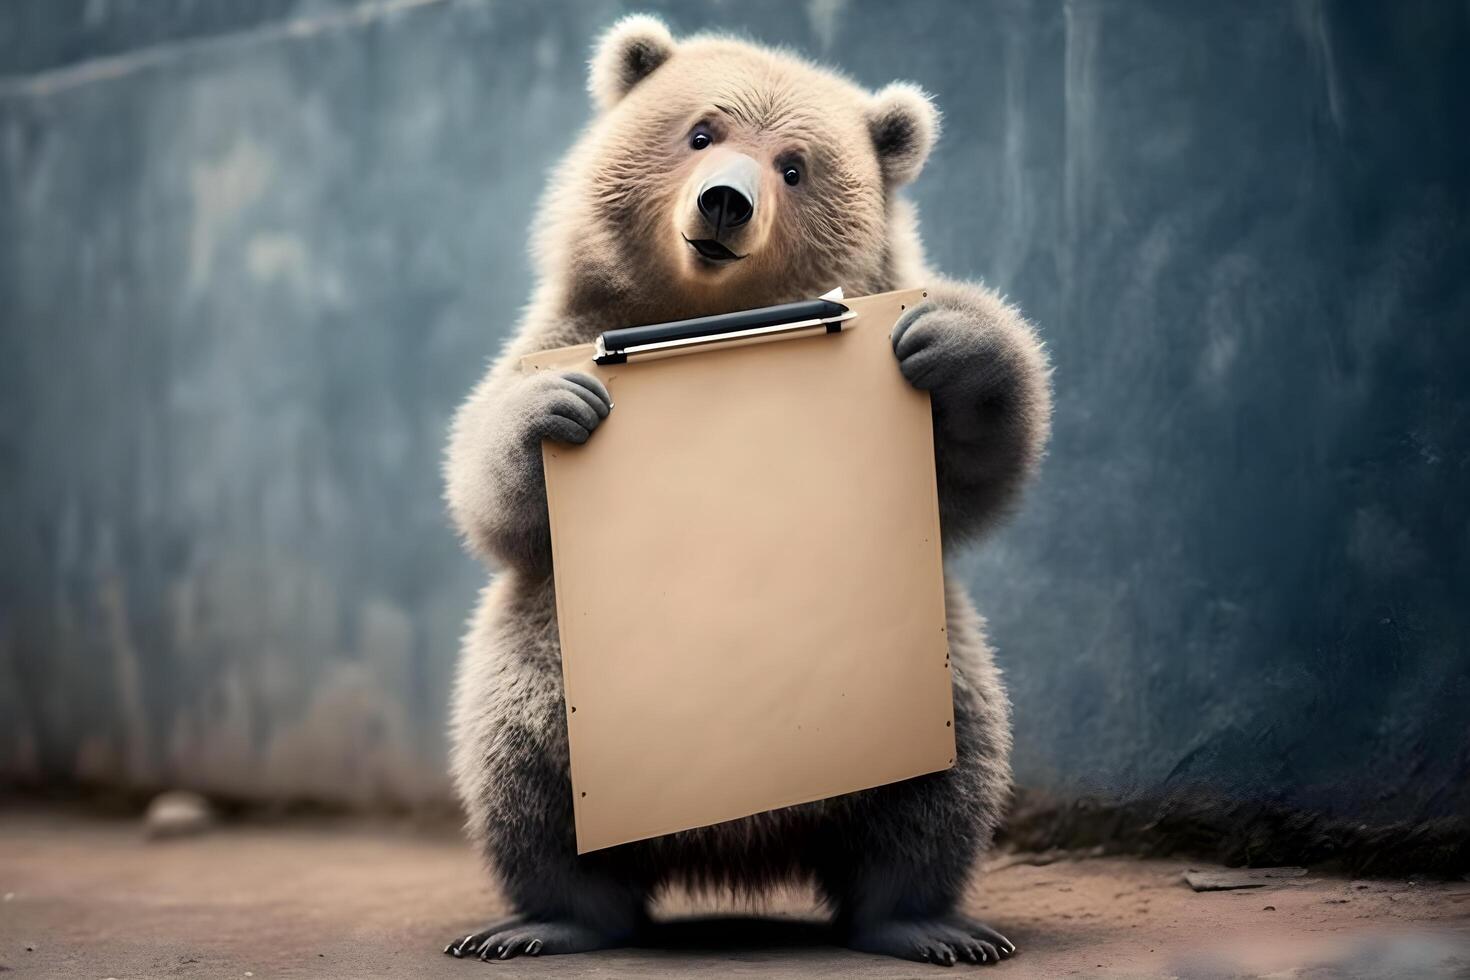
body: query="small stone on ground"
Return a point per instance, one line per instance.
(1221, 880)
(177, 813)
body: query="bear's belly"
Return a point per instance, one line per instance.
(745, 855)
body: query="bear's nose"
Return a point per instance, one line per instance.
(727, 195)
(725, 207)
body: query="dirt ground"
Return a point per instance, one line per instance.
(88, 897)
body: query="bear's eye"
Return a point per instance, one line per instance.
(792, 176)
(700, 139)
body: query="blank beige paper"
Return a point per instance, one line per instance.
(748, 581)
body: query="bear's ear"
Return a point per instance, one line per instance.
(625, 55)
(904, 124)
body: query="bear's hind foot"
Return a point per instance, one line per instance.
(521, 936)
(942, 941)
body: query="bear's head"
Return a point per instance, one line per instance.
(723, 174)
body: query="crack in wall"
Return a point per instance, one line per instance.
(112, 67)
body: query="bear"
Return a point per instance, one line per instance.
(719, 174)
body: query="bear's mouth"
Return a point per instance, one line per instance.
(711, 250)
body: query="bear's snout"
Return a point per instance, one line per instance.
(728, 194)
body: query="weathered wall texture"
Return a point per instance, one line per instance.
(251, 255)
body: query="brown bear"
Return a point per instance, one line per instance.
(721, 175)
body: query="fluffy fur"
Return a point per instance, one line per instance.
(613, 249)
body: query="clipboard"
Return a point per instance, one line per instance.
(749, 580)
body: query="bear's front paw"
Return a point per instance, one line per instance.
(564, 406)
(938, 347)
(522, 936)
(943, 941)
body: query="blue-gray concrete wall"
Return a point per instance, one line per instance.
(252, 255)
